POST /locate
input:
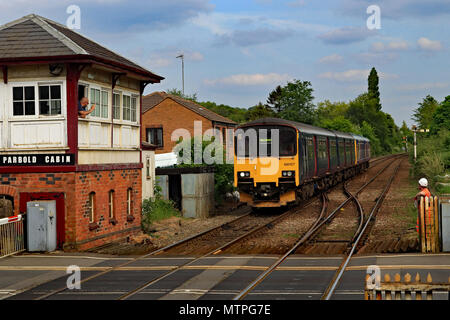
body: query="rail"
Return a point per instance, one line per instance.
(317, 225)
(336, 279)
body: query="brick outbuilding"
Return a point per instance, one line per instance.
(163, 113)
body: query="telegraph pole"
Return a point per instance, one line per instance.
(182, 69)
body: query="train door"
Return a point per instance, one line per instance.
(322, 155)
(334, 158)
(309, 166)
(341, 152)
(316, 152)
(328, 152)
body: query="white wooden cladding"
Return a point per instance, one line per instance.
(96, 135)
(41, 132)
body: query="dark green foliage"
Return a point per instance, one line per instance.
(423, 115)
(238, 115)
(373, 88)
(441, 116)
(273, 101)
(223, 172)
(179, 93)
(157, 209)
(259, 111)
(296, 102)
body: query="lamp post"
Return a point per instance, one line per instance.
(182, 69)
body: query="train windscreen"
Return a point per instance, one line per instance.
(265, 141)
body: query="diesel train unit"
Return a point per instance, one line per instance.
(279, 162)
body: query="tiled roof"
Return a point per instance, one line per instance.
(35, 36)
(155, 98)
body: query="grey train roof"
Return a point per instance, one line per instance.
(303, 127)
(358, 137)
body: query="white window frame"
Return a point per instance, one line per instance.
(131, 96)
(36, 115)
(111, 197)
(119, 93)
(108, 106)
(92, 207)
(129, 196)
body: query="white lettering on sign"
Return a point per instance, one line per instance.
(36, 160)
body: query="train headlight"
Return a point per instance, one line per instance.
(288, 173)
(244, 174)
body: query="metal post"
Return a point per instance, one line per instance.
(415, 146)
(182, 69)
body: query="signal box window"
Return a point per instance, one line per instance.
(155, 136)
(49, 100)
(23, 101)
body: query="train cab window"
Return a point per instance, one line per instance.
(288, 142)
(263, 140)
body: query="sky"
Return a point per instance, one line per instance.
(236, 52)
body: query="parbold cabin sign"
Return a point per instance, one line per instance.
(9, 160)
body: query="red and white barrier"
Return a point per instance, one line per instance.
(11, 236)
(11, 219)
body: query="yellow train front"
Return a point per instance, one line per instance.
(278, 162)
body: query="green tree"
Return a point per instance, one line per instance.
(423, 115)
(339, 123)
(273, 101)
(238, 115)
(373, 87)
(368, 132)
(331, 110)
(179, 93)
(223, 172)
(259, 111)
(296, 102)
(441, 117)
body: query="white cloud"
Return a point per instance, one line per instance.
(399, 45)
(250, 79)
(166, 57)
(429, 45)
(334, 58)
(346, 35)
(353, 75)
(423, 86)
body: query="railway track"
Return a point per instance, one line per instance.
(204, 244)
(322, 221)
(208, 243)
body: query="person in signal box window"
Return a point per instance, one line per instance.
(82, 112)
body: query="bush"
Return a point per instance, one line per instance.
(157, 209)
(223, 172)
(430, 165)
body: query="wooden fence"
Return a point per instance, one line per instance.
(406, 290)
(429, 224)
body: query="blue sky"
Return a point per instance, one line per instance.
(236, 52)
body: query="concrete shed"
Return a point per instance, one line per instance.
(192, 189)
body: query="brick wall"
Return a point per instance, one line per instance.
(76, 187)
(171, 116)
